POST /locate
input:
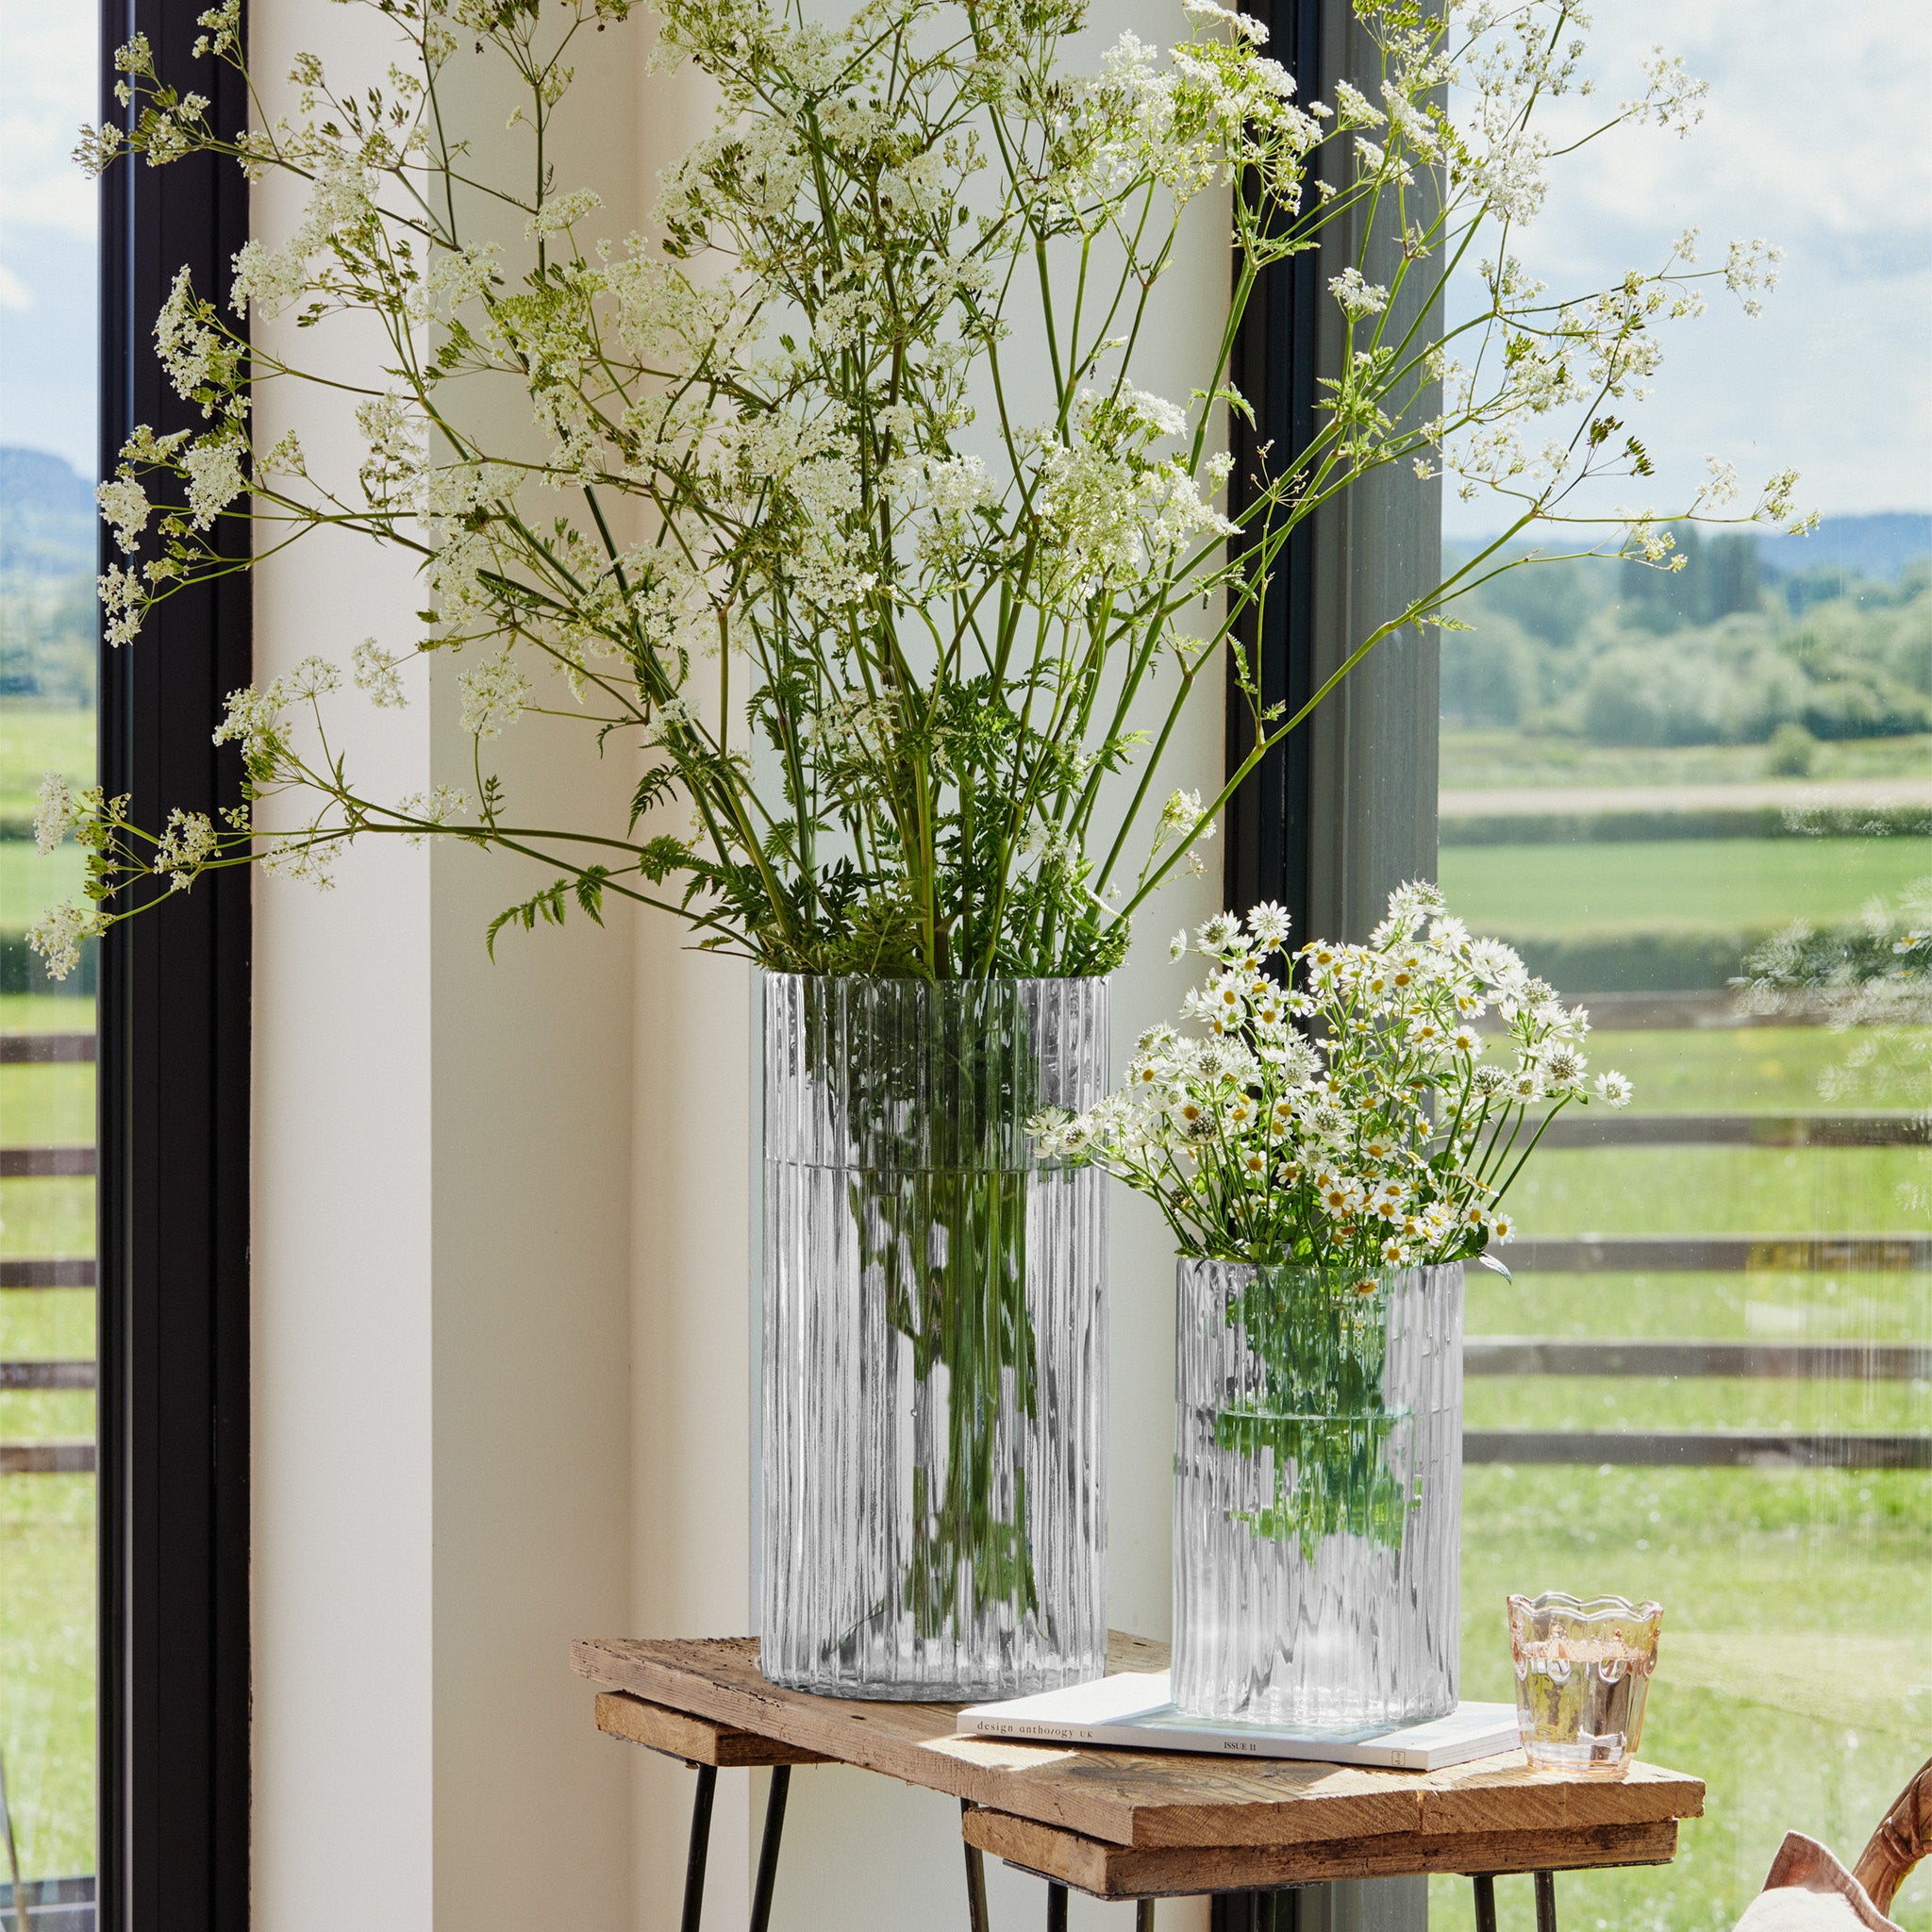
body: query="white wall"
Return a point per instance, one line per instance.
(441, 1293)
(503, 1345)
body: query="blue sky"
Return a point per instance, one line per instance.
(48, 333)
(1816, 137)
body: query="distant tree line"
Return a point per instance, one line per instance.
(1726, 650)
(48, 541)
(47, 646)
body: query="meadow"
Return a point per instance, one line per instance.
(48, 1559)
(1742, 885)
(35, 739)
(31, 880)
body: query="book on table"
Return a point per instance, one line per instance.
(1135, 1709)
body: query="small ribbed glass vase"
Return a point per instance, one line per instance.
(1318, 1494)
(934, 1517)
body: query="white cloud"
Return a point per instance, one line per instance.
(1816, 137)
(48, 57)
(14, 293)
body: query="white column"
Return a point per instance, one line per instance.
(441, 1252)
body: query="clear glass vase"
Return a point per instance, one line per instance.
(934, 1516)
(1318, 1494)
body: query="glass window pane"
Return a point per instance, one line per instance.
(47, 439)
(1659, 786)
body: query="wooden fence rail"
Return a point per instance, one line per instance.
(1794, 1361)
(1697, 1448)
(1720, 1253)
(48, 1375)
(44, 1049)
(1598, 1128)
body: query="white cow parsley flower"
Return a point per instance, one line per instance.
(495, 695)
(1358, 298)
(57, 933)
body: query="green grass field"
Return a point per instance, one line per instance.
(1727, 1190)
(49, 1217)
(47, 1106)
(42, 1012)
(35, 739)
(31, 880)
(1771, 1069)
(47, 1600)
(1675, 884)
(1753, 1305)
(47, 1668)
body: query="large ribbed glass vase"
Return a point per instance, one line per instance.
(1318, 1494)
(935, 1351)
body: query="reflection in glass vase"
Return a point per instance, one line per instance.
(934, 1364)
(1317, 1494)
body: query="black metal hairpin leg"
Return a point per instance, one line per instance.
(1485, 1902)
(1545, 1902)
(1056, 1907)
(1144, 1915)
(975, 1881)
(700, 1845)
(768, 1849)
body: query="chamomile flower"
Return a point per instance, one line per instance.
(1359, 1140)
(1268, 924)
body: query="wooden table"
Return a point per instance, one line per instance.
(1129, 1824)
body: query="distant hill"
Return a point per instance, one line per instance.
(1873, 546)
(47, 516)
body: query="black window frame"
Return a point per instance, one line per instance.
(172, 1122)
(1269, 849)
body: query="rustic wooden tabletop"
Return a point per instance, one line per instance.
(1138, 1824)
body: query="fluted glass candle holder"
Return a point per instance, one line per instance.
(934, 1350)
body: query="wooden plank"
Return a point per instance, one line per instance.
(1800, 1361)
(1504, 1794)
(45, 1163)
(693, 1739)
(46, 1458)
(1600, 1128)
(48, 1270)
(1697, 1449)
(1117, 1872)
(48, 1375)
(1130, 1798)
(1678, 1013)
(1681, 1254)
(20, 1049)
